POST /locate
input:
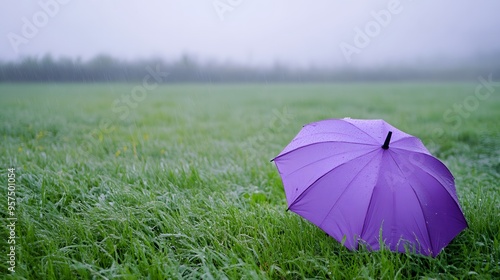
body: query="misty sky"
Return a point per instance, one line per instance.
(256, 32)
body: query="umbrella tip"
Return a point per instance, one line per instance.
(387, 140)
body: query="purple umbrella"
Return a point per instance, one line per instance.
(366, 182)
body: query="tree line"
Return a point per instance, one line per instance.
(105, 68)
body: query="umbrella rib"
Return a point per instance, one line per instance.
(311, 144)
(366, 214)
(452, 196)
(418, 199)
(316, 161)
(312, 184)
(361, 141)
(344, 191)
(403, 138)
(360, 130)
(368, 208)
(407, 150)
(423, 215)
(439, 162)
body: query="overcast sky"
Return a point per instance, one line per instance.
(257, 32)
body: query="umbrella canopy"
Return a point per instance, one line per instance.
(366, 182)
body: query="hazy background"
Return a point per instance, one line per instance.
(258, 34)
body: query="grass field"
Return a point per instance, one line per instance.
(179, 184)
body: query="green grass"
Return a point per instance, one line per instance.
(182, 187)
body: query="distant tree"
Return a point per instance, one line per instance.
(104, 68)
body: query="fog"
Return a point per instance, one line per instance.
(258, 33)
